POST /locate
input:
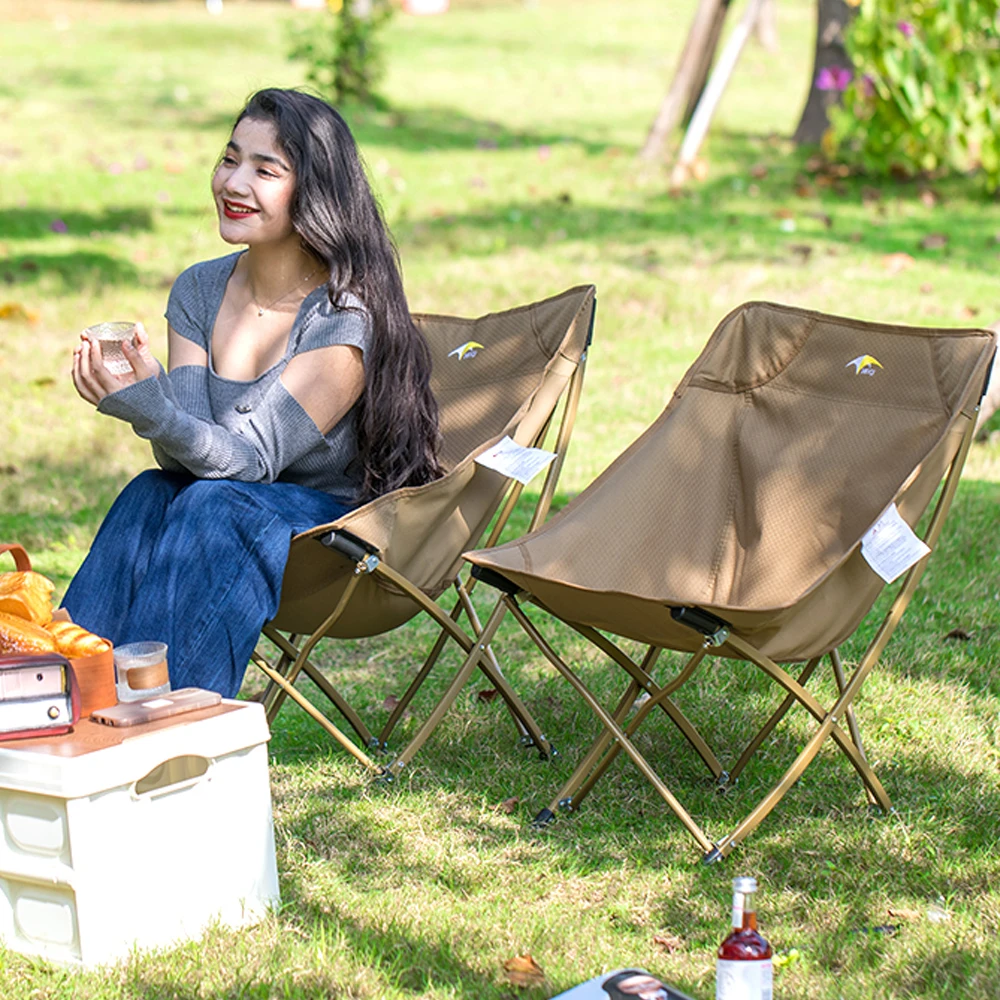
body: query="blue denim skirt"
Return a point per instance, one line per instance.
(197, 564)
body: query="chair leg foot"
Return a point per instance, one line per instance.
(712, 856)
(722, 784)
(543, 819)
(387, 775)
(546, 751)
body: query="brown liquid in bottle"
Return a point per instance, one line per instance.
(744, 944)
(743, 967)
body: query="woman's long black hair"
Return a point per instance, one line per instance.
(340, 223)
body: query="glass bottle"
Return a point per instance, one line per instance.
(743, 968)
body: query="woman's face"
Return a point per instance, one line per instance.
(253, 186)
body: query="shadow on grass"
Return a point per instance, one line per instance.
(727, 230)
(76, 270)
(35, 223)
(431, 128)
(50, 504)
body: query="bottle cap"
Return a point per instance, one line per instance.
(744, 884)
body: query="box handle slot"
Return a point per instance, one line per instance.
(173, 775)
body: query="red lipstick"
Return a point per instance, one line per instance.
(236, 210)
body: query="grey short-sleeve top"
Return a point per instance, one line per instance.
(255, 431)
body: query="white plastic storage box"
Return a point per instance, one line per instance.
(137, 837)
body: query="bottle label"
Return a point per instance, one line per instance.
(743, 980)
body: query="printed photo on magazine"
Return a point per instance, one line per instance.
(623, 984)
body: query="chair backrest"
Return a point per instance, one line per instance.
(485, 370)
(785, 441)
(501, 374)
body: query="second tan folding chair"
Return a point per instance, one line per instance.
(758, 519)
(501, 375)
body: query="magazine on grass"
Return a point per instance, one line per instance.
(623, 984)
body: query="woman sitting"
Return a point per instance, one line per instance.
(297, 388)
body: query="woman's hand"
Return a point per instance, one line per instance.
(91, 377)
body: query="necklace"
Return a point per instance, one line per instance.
(263, 309)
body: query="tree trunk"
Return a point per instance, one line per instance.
(832, 19)
(685, 76)
(766, 29)
(704, 66)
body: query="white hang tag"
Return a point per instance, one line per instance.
(515, 460)
(890, 547)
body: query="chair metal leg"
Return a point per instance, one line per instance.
(640, 673)
(308, 707)
(609, 723)
(852, 722)
(567, 797)
(737, 769)
(474, 659)
(658, 700)
(404, 703)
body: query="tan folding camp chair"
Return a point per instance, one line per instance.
(741, 523)
(380, 565)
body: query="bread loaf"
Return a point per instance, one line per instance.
(26, 594)
(18, 635)
(74, 641)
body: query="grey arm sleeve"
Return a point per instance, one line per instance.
(163, 460)
(277, 434)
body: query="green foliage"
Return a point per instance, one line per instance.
(925, 96)
(342, 50)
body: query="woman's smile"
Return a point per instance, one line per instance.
(236, 210)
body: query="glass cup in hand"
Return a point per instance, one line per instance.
(110, 336)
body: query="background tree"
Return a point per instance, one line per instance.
(344, 57)
(831, 69)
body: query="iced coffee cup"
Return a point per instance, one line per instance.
(110, 336)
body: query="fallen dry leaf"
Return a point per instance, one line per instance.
(934, 241)
(668, 942)
(487, 694)
(969, 312)
(391, 701)
(15, 310)
(904, 914)
(523, 971)
(758, 171)
(896, 262)
(959, 633)
(508, 806)
(699, 169)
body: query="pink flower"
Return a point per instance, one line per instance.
(834, 78)
(906, 28)
(58, 226)
(867, 86)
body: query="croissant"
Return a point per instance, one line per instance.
(74, 640)
(18, 635)
(26, 594)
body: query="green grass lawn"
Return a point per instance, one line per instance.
(507, 170)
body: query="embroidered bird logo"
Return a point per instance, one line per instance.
(468, 350)
(863, 361)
